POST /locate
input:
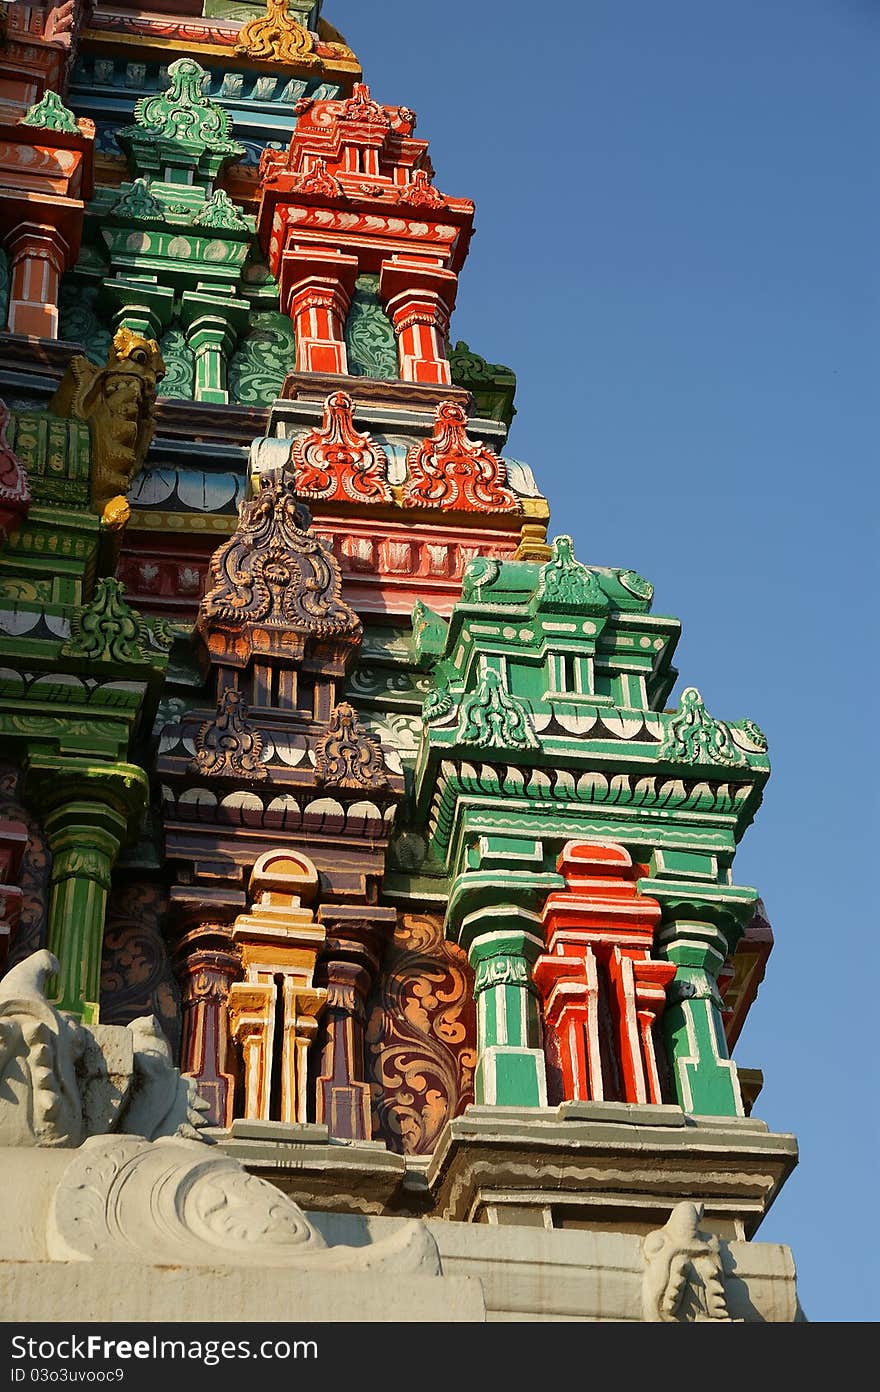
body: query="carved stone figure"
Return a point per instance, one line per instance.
(684, 1280)
(118, 402)
(140, 1179)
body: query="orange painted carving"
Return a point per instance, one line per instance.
(337, 462)
(450, 471)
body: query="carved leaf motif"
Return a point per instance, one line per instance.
(421, 1037)
(493, 719)
(263, 359)
(450, 471)
(183, 112)
(693, 736)
(369, 334)
(347, 756)
(50, 113)
(227, 746)
(180, 366)
(107, 630)
(278, 36)
(568, 584)
(272, 573)
(337, 461)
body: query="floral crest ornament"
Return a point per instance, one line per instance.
(337, 461)
(277, 37)
(227, 746)
(452, 472)
(347, 756)
(273, 584)
(50, 113)
(107, 630)
(695, 737)
(421, 193)
(493, 719)
(567, 583)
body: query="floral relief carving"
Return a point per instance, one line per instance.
(421, 1036)
(337, 461)
(450, 471)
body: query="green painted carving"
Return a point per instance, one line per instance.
(180, 129)
(57, 455)
(753, 734)
(180, 366)
(439, 701)
(429, 630)
(567, 584)
(139, 203)
(107, 630)
(261, 362)
(369, 334)
(493, 719)
(79, 322)
(221, 214)
(694, 737)
(636, 584)
(492, 386)
(50, 113)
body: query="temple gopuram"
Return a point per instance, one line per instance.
(369, 904)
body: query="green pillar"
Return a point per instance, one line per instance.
(88, 812)
(212, 323)
(503, 944)
(701, 927)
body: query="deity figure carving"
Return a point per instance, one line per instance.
(118, 403)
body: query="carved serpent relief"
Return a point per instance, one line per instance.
(421, 1035)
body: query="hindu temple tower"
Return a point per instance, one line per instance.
(316, 743)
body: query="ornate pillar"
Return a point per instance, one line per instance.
(273, 1013)
(701, 926)
(208, 963)
(419, 299)
(503, 942)
(212, 324)
(87, 810)
(317, 287)
(598, 966)
(347, 969)
(38, 253)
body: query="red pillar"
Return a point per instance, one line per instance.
(599, 933)
(419, 298)
(38, 254)
(316, 290)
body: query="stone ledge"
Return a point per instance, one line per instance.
(604, 1167)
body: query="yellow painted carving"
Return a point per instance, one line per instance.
(118, 401)
(277, 35)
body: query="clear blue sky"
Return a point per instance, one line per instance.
(678, 231)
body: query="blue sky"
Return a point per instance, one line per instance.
(678, 223)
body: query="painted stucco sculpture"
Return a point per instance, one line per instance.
(317, 752)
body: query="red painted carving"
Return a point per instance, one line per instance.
(601, 989)
(452, 472)
(337, 461)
